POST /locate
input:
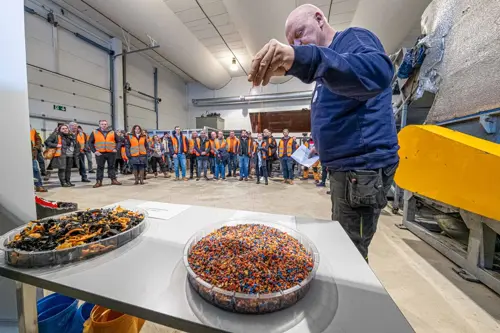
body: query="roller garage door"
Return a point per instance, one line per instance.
(68, 78)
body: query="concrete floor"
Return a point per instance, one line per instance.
(419, 279)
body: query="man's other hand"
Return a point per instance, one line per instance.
(274, 59)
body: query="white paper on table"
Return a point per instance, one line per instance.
(162, 211)
(285, 220)
(301, 156)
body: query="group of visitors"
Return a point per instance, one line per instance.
(138, 153)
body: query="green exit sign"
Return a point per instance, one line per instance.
(59, 108)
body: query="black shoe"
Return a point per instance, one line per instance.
(65, 185)
(266, 182)
(197, 179)
(85, 180)
(71, 184)
(241, 178)
(258, 181)
(91, 171)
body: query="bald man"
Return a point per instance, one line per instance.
(351, 114)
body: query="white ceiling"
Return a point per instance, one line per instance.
(193, 16)
(198, 19)
(230, 36)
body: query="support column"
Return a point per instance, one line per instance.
(117, 72)
(17, 203)
(155, 77)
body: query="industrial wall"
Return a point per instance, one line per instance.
(171, 89)
(236, 116)
(67, 78)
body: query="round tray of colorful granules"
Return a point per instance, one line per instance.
(251, 267)
(71, 237)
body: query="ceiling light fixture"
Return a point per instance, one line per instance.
(234, 66)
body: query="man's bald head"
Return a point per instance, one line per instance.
(307, 24)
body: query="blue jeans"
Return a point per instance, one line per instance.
(220, 169)
(287, 166)
(36, 174)
(244, 160)
(232, 164)
(182, 159)
(202, 165)
(212, 164)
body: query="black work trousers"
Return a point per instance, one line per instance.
(357, 199)
(64, 171)
(155, 161)
(262, 171)
(101, 160)
(119, 165)
(193, 164)
(269, 165)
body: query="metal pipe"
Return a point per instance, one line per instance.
(124, 76)
(404, 115)
(492, 112)
(249, 99)
(38, 116)
(112, 88)
(138, 50)
(155, 78)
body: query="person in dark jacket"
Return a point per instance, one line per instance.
(67, 150)
(136, 146)
(245, 151)
(271, 151)
(119, 162)
(261, 155)
(202, 150)
(351, 114)
(157, 153)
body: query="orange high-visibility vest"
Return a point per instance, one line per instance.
(137, 146)
(232, 144)
(264, 146)
(80, 138)
(217, 144)
(59, 147)
(33, 136)
(104, 144)
(191, 146)
(175, 144)
(196, 143)
(124, 153)
(289, 147)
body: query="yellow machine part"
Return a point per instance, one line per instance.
(448, 166)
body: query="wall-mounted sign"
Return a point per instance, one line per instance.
(59, 108)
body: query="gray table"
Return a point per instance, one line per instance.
(146, 278)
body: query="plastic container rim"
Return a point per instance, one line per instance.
(4, 238)
(291, 232)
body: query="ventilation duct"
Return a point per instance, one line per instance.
(390, 20)
(250, 99)
(177, 43)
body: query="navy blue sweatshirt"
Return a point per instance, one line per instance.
(351, 113)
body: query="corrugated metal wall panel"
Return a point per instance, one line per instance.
(65, 71)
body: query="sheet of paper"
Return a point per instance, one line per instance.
(301, 156)
(162, 211)
(286, 220)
